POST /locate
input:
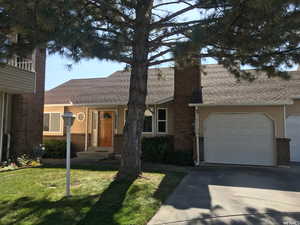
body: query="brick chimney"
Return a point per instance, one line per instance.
(187, 89)
(27, 111)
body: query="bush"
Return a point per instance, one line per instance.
(161, 150)
(154, 149)
(56, 149)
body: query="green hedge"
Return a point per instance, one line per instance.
(56, 149)
(161, 150)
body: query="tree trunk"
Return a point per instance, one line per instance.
(131, 152)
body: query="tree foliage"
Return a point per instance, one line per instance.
(262, 34)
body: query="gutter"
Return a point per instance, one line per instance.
(243, 104)
(108, 104)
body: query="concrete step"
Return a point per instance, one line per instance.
(93, 155)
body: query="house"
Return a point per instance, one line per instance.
(22, 82)
(237, 122)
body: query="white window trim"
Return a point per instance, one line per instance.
(153, 122)
(60, 132)
(157, 120)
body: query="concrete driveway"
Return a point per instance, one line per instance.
(234, 196)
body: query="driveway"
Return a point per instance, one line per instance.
(234, 196)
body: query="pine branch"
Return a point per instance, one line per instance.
(170, 3)
(158, 62)
(160, 54)
(175, 14)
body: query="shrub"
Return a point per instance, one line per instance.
(161, 150)
(56, 149)
(154, 149)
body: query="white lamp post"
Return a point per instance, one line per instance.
(68, 121)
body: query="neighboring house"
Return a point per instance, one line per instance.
(237, 123)
(22, 82)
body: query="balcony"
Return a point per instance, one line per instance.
(17, 76)
(21, 63)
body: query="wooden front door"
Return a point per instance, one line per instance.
(106, 129)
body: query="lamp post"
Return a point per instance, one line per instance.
(68, 118)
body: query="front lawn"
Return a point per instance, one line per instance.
(36, 196)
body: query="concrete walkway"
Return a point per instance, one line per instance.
(234, 196)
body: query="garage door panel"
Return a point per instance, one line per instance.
(293, 132)
(239, 139)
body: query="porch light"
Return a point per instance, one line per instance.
(68, 118)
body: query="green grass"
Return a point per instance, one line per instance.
(36, 196)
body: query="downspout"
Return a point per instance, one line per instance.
(86, 129)
(197, 161)
(284, 120)
(2, 95)
(155, 121)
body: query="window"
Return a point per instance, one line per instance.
(148, 121)
(52, 122)
(162, 120)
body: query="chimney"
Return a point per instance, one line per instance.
(187, 89)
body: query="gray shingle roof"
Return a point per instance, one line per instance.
(112, 90)
(219, 87)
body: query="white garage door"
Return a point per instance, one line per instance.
(293, 132)
(239, 139)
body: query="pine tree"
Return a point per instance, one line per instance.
(145, 33)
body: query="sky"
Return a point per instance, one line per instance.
(57, 71)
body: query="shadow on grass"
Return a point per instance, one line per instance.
(27, 210)
(109, 203)
(120, 203)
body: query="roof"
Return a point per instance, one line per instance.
(219, 88)
(112, 90)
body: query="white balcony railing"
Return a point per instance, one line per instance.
(21, 63)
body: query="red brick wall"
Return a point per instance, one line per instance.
(187, 87)
(27, 112)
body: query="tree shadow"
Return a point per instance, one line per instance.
(109, 203)
(251, 217)
(46, 212)
(100, 209)
(209, 195)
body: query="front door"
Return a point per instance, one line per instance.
(106, 129)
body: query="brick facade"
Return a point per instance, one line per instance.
(187, 89)
(27, 111)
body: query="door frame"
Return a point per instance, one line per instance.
(112, 130)
(114, 113)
